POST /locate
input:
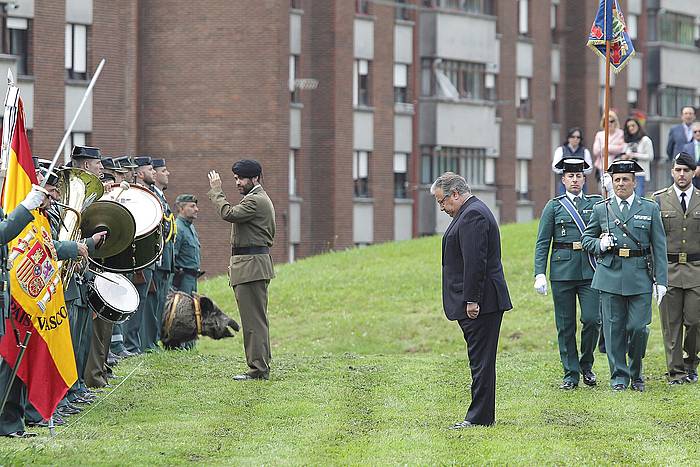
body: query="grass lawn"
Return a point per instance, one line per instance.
(367, 370)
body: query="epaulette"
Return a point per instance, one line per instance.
(594, 195)
(603, 200)
(661, 191)
(560, 196)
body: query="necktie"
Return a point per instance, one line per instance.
(576, 202)
(624, 208)
(683, 204)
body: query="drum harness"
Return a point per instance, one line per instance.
(173, 306)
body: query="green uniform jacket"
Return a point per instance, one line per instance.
(682, 236)
(9, 229)
(253, 224)
(627, 276)
(557, 225)
(166, 261)
(187, 247)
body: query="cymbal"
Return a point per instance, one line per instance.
(111, 216)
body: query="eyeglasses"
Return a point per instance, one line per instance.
(612, 121)
(442, 201)
(696, 131)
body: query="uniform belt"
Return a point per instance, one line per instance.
(250, 250)
(190, 272)
(683, 258)
(628, 253)
(567, 246)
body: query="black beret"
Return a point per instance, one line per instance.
(158, 163)
(142, 161)
(624, 166)
(85, 152)
(683, 158)
(186, 198)
(572, 164)
(247, 168)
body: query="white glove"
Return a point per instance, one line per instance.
(541, 284)
(658, 291)
(34, 198)
(606, 241)
(607, 183)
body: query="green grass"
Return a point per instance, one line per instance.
(367, 370)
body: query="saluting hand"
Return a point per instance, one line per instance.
(214, 179)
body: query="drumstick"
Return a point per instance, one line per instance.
(124, 186)
(104, 277)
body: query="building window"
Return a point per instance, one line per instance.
(400, 82)
(632, 20)
(292, 172)
(554, 97)
(471, 163)
(670, 100)
(521, 179)
(401, 11)
(522, 97)
(400, 175)
(15, 40)
(76, 51)
(295, 4)
(75, 139)
(293, 74)
(360, 173)
(362, 7)
(361, 94)
(523, 17)
(677, 28)
(484, 7)
(633, 98)
(470, 80)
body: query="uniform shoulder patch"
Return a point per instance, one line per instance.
(560, 196)
(660, 192)
(603, 200)
(595, 197)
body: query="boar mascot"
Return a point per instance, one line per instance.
(185, 317)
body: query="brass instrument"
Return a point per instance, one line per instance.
(78, 189)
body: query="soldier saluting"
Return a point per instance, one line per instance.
(571, 269)
(679, 310)
(626, 235)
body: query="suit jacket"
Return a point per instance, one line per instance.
(682, 235)
(677, 139)
(471, 263)
(627, 276)
(252, 224)
(557, 225)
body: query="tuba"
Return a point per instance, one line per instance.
(78, 189)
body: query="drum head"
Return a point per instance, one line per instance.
(117, 292)
(143, 205)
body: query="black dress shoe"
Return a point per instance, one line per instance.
(676, 382)
(619, 387)
(589, 378)
(692, 376)
(462, 425)
(20, 434)
(568, 386)
(638, 385)
(247, 377)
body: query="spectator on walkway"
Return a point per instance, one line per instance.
(572, 148)
(638, 146)
(616, 142)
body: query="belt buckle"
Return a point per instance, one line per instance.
(577, 246)
(624, 252)
(682, 258)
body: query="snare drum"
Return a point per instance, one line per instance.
(113, 297)
(148, 241)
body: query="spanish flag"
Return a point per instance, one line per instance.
(37, 304)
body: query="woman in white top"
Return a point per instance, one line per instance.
(571, 148)
(638, 146)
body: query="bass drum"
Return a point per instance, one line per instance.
(113, 297)
(148, 240)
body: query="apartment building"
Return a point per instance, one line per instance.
(352, 106)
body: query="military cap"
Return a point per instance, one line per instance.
(108, 177)
(118, 167)
(247, 168)
(51, 178)
(624, 166)
(108, 163)
(85, 152)
(572, 164)
(683, 158)
(157, 163)
(186, 198)
(142, 161)
(126, 162)
(44, 163)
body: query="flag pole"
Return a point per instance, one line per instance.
(606, 111)
(22, 348)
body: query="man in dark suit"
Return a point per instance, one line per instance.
(680, 135)
(474, 290)
(693, 148)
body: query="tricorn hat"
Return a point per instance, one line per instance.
(624, 166)
(141, 161)
(126, 162)
(85, 152)
(157, 163)
(572, 164)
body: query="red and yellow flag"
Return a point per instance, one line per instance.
(37, 304)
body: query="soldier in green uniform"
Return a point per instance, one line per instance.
(251, 269)
(162, 276)
(571, 269)
(626, 235)
(680, 308)
(187, 247)
(12, 415)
